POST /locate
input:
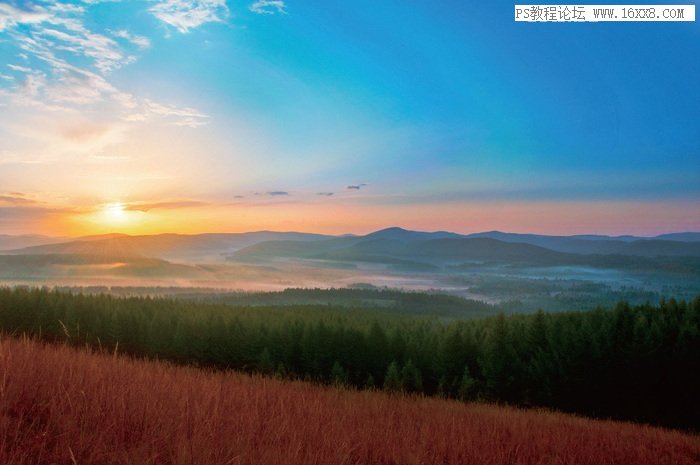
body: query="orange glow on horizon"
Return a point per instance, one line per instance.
(340, 217)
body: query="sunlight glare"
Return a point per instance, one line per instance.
(114, 213)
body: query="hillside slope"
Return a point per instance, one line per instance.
(164, 246)
(63, 406)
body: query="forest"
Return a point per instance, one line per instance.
(634, 363)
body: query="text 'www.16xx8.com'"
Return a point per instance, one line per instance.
(604, 13)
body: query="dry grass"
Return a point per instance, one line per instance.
(62, 406)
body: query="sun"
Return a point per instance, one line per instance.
(111, 217)
(114, 213)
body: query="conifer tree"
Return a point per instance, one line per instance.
(467, 385)
(392, 379)
(411, 379)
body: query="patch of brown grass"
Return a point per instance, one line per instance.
(59, 405)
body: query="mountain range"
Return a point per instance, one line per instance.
(397, 248)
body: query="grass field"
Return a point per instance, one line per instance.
(63, 406)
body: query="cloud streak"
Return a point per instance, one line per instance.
(11, 16)
(62, 91)
(170, 205)
(185, 15)
(268, 7)
(140, 41)
(14, 199)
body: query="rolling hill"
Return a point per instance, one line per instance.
(421, 251)
(395, 248)
(165, 246)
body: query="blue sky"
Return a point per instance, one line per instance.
(453, 104)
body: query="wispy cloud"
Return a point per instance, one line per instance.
(139, 41)
(62, 91)
(170, 205)
(16, 199)
(185, 15)
(11, 16)
(180, 116)
(325, 194)
(76, 39)
(355, 187)
(19, 216)
(277, 193)
(268, 7)
(21, 69)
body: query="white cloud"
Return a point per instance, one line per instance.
(33, 84)
(66, 8)
(22, 69)
(11, 16)
(179, 116)
(68, 87)
(60, 103)
(139, 41)
(75, 38)
(268, 7)
(184, 15)
(60, 29)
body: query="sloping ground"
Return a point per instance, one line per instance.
(58, 265)
(164, 246)
(58, 405)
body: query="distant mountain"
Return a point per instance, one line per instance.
(603, 245)
(16, 242)
(483, 249)
(681, 237)
(418, 251)
(402, 246)
(73, 265)
(395, 247)
(401, 234)
(165, 246)
(598, 237)
(658, 247)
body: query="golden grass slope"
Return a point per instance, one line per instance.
(62, 406)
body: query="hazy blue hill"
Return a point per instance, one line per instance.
(65, 264)
(391, 242)
(166, 246)
(657, 247)
(8, 242)
(403, 250)
(379, 245)
(271, 249)
(372, 247)
(399, 249)
(682, 237)
(558, 243)
(408, 250)
(600, 237)
(486, 250)
(113, 247)
(602, 245)
(401, 234)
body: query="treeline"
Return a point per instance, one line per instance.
(407, 302)
(362, 296)
(638, 363)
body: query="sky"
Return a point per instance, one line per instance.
(342, 117)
